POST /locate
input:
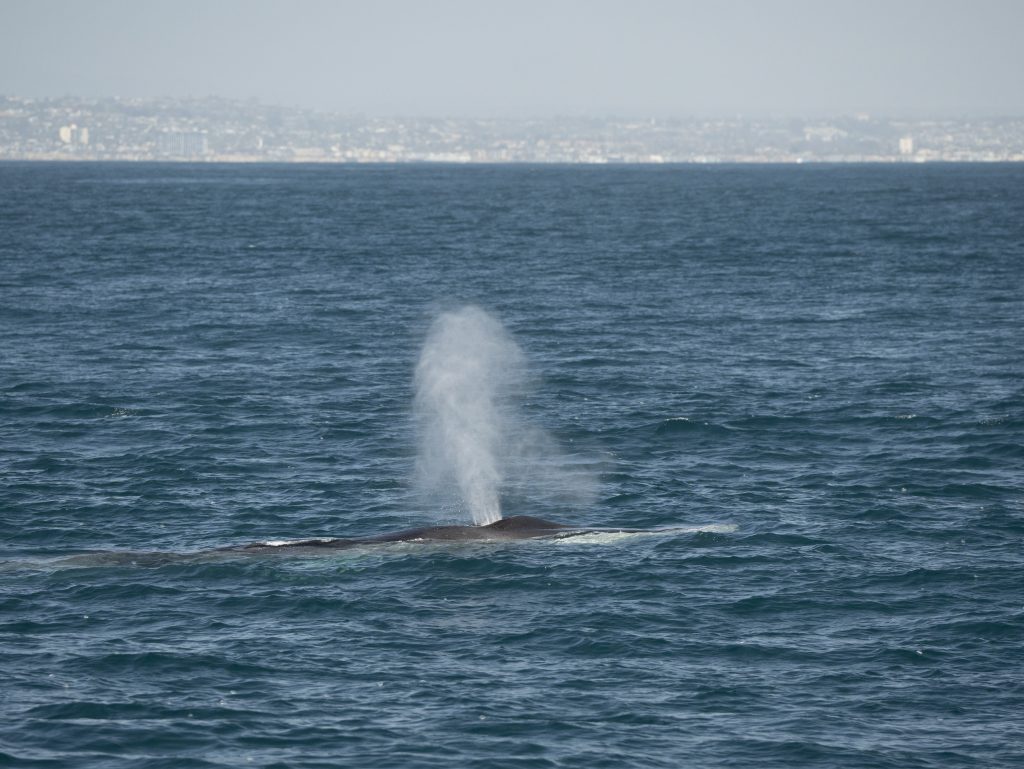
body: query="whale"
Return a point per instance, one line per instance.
(516, 527)
(511, 528)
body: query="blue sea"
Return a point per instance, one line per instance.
(806, 383)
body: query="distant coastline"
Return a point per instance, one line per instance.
(217, 130)
(236, 161)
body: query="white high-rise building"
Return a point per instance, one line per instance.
(73, 134)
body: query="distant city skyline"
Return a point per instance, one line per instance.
(456, 58)
(233, 131)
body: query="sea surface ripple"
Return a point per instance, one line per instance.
(821, 367)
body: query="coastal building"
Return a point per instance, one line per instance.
(182, 144)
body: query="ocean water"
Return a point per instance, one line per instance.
(815, 375)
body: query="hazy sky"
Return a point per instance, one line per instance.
(893, 58)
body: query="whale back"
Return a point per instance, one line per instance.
(513, 527)
(524, 523)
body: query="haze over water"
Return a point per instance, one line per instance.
(820, 366)
(531, 59)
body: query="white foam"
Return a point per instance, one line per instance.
(711, 528)
(611, 536)
(283, 542)
(600, 537)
